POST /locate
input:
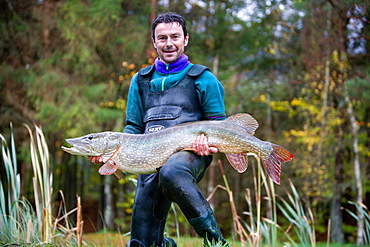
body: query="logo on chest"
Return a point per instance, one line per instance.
(155, 128)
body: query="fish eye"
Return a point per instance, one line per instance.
(90, 137)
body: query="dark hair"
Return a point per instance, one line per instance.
(168, 18)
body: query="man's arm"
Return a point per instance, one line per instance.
(134, 109)
(211, 97)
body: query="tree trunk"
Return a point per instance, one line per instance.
(336, 216)
(216, 61)
(108, 202)
(357, 169)
(367, 159)
(120, 201)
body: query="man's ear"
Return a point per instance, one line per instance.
(154, 45)
(186, 40)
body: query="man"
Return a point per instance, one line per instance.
(171, 92)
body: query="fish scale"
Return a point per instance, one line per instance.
(146, 153)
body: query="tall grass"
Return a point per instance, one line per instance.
(363, 210)
(301, 217)
(42, 182)
(261, 230)
(17, 218)
(20, 222)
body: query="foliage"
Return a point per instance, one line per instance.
(67, 65)
(17, 217)
(364, 212)
(21, 220)
(302, 219)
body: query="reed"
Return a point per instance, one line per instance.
(300, 216)
(365, 213)
(263, 230)
(20, 222)
(23, 224)
(17, 218)
(42, 182)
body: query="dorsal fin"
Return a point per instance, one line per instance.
(244, 120)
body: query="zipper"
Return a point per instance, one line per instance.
(164, 79)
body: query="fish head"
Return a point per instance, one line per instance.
(95, 144)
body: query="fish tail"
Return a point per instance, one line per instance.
(272, 164)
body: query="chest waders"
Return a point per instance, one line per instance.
(177, 180)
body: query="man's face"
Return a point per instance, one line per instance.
(169, 41)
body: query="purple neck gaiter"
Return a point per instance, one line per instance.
(174, 67)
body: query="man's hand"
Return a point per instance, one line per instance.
(96, 159)
(201, 147)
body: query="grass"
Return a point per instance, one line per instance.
(17, 217)
(260, 230)
(301, 218)
(114, 239)
(110, 239)
(42, 182)
(360, 207)
(21, 224)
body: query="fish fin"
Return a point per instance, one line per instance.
(239, 161)
(244, 120)
(108, 168)
(272, 164)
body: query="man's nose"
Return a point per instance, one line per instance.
(169, 42)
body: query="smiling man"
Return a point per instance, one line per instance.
(171, 92)
(169, 40)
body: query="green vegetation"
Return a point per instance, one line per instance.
(301, 68)
(21, 221)
(25, 225)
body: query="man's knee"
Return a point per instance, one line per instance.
(183, 169)
(168, 175)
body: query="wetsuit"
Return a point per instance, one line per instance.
(161, 96)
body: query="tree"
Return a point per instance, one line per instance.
(298, 67)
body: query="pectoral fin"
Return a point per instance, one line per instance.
(108, 168)
(239, 161)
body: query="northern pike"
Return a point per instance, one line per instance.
(146, 153)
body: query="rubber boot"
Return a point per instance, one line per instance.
(206, 227)
(149, 214)
(167, 242)
(178, 180)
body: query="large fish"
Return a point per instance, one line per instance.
(146, 153)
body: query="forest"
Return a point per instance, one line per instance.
(301, 68)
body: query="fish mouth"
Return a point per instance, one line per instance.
(76, 149)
